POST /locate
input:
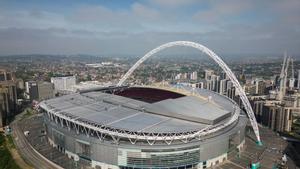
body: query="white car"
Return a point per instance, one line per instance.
(26, 133)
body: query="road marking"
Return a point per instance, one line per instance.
(235, 164)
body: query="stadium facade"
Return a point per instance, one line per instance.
(145, 127)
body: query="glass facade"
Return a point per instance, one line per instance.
(2, 77)
(59, 140)
(163, 160)
(83, 150)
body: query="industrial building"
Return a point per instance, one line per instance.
(145, 127)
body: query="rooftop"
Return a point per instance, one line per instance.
(173, 115)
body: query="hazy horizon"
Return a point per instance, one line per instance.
(135, 27)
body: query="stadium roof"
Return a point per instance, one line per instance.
(189, 108)
(177, 115)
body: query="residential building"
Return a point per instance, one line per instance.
(40, 90)
(8, 96)
(194, 76)
(64, 83)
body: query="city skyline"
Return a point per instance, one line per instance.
(171, 84)
(97, 27)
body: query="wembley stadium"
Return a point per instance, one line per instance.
(145, 126)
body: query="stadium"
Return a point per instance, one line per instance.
(145, 127)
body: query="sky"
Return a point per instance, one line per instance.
(111, 27)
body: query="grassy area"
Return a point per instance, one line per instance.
(6, 160)
(295, 129)
(27, 112)
(10, 142)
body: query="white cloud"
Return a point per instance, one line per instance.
(218, 11)
(173, 3)
(275, 26)
(144, 12)
(30, 19)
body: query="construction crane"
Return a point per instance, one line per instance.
(281, 87)
(292, 79)
(292, 62)
(285, 76)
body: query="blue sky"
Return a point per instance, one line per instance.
(135, 27)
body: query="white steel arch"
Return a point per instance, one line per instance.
(218, 60)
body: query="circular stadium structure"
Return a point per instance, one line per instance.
(145, 127)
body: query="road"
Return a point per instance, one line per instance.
(27, 152)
